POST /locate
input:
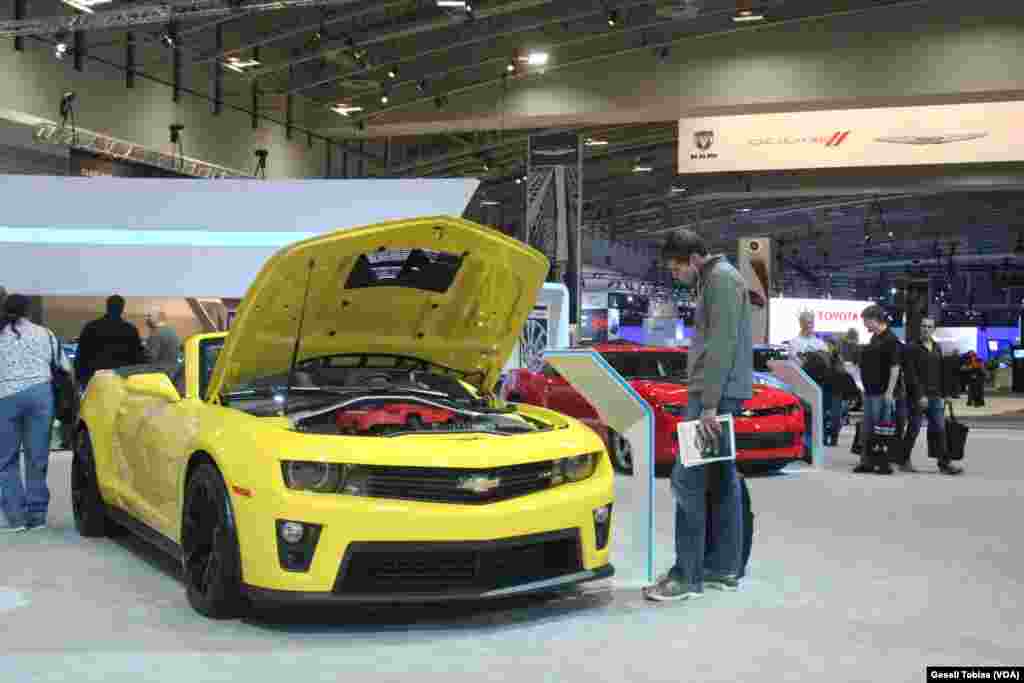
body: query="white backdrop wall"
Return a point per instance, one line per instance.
(832, 316)
(184, 238)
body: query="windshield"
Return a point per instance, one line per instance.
(648, 364)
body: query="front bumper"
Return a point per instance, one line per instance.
(303, 598)
(395, 539)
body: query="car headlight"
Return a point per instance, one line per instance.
(576, 468)
(675, 410)
(319, 477)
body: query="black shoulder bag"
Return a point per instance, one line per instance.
(63, 387)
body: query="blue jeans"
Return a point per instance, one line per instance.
(935, 412)
(690, 487)
(26, 419)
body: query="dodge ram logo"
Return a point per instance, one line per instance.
(479, 484)
(703, 139)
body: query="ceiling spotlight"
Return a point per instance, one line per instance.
(642, 168)
(167, 39)
(511, 67)
(746, 15)
(519, 181)
(85, 5)
(421, 86)
(240, 65)
(393, 73)
(345, 109)
(384, 99)
(452, 4)
(537, 58)
(60, 50)
(678, 189)
(613, 18)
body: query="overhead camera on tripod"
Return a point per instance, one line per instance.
(261, 163)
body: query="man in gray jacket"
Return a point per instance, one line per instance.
(163, 344)
(721, 375)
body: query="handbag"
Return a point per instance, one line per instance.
(885, 443)
(956, 435)
(63, 387)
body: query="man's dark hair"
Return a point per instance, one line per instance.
(876, 313)
(115, 306)
(15, 308)
(682, 244)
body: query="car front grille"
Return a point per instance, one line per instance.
(457, 567)
(764, 440)
(450, 485)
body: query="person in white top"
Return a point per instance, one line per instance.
(806, 342)
(28, 353)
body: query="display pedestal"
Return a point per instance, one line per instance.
(622, 409)
(798, 382)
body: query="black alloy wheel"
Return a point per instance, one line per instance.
(621, 452)
(87, 505)
(212, 563)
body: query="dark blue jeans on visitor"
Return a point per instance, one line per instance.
(26, 419)
(935, 413)
(696, 555)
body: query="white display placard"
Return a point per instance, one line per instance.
(800, 383)
(697, 447)
(887, 136)
(833, 316)
(624, 410)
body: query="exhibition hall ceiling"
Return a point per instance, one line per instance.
(361, 68)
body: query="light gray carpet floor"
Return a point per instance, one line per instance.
(853, 578)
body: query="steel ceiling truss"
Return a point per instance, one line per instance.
(139, 15)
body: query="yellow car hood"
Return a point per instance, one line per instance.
(368, 290)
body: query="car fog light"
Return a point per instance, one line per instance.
(292, 532)
(602, 525)
(602, 514)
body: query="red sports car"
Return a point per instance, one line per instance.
(769, 429)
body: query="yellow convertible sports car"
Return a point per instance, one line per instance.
(342, 443)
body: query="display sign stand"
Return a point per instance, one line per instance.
(622, 409)
(800, 383)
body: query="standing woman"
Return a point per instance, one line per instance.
(28, 353)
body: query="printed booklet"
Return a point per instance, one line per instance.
(697, 448)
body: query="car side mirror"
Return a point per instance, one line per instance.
(155, 384)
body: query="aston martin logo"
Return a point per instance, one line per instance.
(479, 484)
(703, 139)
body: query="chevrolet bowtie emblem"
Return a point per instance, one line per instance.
(479, 484)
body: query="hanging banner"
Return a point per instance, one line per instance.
(889, 136)
(755, 261)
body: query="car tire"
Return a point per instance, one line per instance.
(620, 452)
(87, 506)
(211, 558)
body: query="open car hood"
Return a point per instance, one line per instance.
(440, 289)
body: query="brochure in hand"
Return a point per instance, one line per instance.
(696, 447)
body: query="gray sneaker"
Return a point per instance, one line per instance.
(669, 589)
(722, 582)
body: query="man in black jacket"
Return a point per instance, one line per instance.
(927, 392)
(107, 343)
(880, 372)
